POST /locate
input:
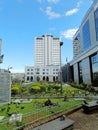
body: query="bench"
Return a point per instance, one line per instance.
(62, 123)
(90, 107)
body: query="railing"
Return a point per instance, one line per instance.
(42, 115)
(47, 113)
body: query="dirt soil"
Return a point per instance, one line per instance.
(84, 121)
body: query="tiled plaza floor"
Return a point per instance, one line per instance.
(84, 121)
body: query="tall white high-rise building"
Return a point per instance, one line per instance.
(47, 50)
(47, 59)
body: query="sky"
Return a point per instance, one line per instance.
(23, 20)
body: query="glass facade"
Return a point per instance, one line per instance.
(96, 22)
(86, 35)
(94, 60)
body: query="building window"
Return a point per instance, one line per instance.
(96, 22)
(94, 61)
(86, 35)
(80, 66)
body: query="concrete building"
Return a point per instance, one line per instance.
(75, 47)
(48, 73)
(5, 86)
(1, 56)
(47, 59)
(5, 83)
(47, 51)
(84, 66)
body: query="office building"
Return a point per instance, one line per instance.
(47, 51)
(48, 73)
(46, 59)
(84, 66)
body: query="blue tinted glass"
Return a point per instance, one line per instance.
(96, 23)
(95, 67)
(86, 35)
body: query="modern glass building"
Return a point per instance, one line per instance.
(84, 66)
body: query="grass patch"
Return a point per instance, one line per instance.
(35, 110)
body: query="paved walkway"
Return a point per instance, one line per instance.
(84, 121)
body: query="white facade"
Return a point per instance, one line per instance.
(48, 73)
(47, 50)
(46, 59)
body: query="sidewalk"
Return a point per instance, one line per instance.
(84, 121)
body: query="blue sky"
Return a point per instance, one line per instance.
(23, 20)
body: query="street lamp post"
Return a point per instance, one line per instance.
(9, 68)
(61, 43)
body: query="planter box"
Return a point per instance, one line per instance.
(90, 107)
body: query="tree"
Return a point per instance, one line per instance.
(35, 89)
(56, 87)
(15, 89)
(38, 78)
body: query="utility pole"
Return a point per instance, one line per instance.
(61, 43)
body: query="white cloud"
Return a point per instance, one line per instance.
(51, 14)
(53, 1)
(68, 34)
(71, 12)
(75, 10)
(79, 3)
